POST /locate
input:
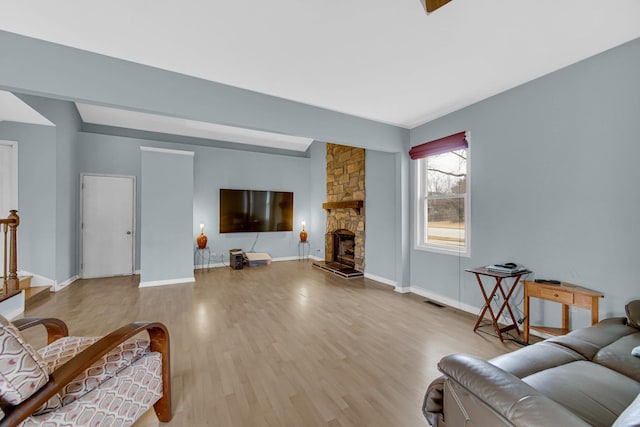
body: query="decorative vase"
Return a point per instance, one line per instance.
(303, 235)
(202, 241)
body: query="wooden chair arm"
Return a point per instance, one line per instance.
(159, 342)
(56, 328)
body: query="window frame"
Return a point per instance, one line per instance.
(421, 198)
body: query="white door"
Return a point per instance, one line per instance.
(8, 186)
(107, 225)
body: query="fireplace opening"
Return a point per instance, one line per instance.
(343, 243)
(340, 254)
(344, 247)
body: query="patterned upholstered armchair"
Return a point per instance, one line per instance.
(109, 381)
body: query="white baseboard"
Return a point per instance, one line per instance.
(151, 283)
(12, 307)
(445, 300)
(222, 264)
(381, 279)
(59, 286)
(403, 290)
(212, 265)
(285, 258)
(453, 303)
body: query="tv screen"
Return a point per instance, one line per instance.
(250, 211)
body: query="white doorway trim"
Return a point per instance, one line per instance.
(8, 201)
(14, 176)
(133, 215)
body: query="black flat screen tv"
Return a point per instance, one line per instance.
(250, 211)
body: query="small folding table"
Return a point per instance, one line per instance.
(498, 276)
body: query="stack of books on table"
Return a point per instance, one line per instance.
(509, 268)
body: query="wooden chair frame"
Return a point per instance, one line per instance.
(56, 329)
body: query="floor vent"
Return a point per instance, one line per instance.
(435, 304)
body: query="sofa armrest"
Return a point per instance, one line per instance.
(504, 393)
(631, 416)
(433, 403)
(56, 328)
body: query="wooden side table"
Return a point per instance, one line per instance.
(567, 295)
(484, 271)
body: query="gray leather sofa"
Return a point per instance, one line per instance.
(587, 377)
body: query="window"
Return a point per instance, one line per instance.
(443, 199)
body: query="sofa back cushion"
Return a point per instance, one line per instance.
(618, 356)
(534, 358)
(590, 340)
(22, 370)
(633, 313)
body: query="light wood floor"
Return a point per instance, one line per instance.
(282, 345)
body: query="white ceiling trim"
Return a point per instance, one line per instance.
(116, 117)
(168, 151)
(13, 109)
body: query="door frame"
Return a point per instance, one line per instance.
(133, 214)
(14, 178)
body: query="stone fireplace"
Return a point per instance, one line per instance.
(345, 233)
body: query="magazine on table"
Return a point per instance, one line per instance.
(508, 268)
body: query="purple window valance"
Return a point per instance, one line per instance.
(439, 146)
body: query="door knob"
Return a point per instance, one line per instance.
(128, 232)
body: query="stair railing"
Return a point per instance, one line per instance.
(10, 284)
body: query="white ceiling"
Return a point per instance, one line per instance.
(13, 109)
(385, 60)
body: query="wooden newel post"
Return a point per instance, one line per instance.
(12, 280)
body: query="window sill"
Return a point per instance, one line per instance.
(444, 250)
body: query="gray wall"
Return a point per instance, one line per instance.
(166, 210)
(102, 154)
(380, 209)
(37, 195)
(541, 186)
(316, 223)
(34, 67)
(67, 124)
(554, 181)
(217, 168)
(214, 168)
